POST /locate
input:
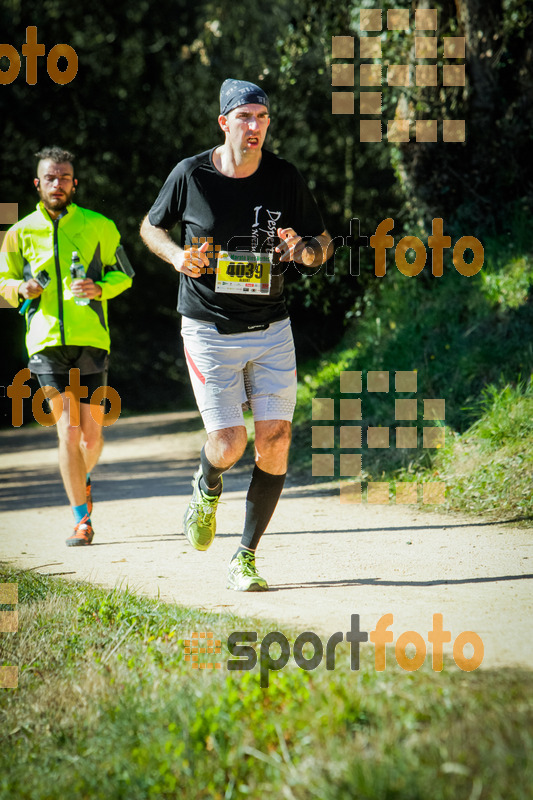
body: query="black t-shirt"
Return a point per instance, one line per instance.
(239, 214)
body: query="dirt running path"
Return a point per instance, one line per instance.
(324, 561)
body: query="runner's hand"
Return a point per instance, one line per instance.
(85, 287)
(293, 248)
(30, 289)
(192, 261)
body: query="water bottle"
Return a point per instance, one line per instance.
(77, 272)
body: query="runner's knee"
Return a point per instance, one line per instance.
(69, 434)
(227, 445)
(91, 439)
(272, 436)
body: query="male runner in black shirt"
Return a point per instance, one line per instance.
(240, 209)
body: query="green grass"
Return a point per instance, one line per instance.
(107, 707)
(489, 468)
(470, 340)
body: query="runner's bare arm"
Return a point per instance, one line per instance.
(191, 261)
(311, 253)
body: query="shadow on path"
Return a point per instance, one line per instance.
(39, 437)
(41, 487)
(378, 582)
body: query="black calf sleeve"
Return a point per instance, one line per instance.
(261, 501)
(210, 481)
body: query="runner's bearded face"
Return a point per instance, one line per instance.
(56, 185)
(247, 127)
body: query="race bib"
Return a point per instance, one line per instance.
(244, 273)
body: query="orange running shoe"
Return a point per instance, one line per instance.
(83, 534)
(89, 496)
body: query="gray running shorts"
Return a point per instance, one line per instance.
(229, 370)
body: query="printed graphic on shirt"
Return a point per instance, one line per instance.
(265, 223)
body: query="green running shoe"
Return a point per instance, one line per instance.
(243, 575)
(199, 523)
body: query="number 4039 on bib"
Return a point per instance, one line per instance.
(244, 273)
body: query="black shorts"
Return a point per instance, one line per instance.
(52, 365)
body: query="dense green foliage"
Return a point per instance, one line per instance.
(490, 467)
(470, 340)
(146, 95)
(107, 707)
